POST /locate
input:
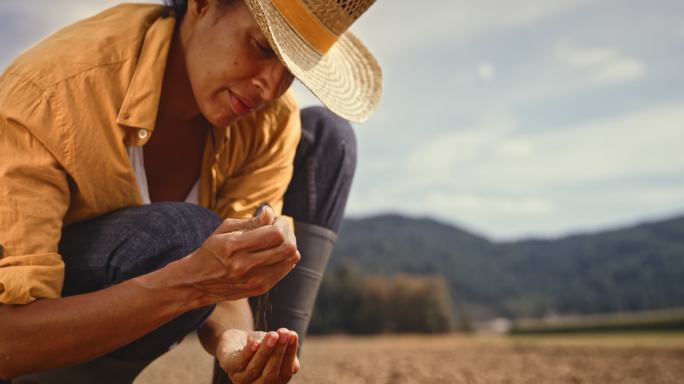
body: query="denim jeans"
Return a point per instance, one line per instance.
(137, 240)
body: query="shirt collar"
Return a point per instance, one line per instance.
(141, 102)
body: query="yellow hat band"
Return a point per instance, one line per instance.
(309, 28)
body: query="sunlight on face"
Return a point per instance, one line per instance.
(231, 66)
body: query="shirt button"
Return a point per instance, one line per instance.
(142, 134)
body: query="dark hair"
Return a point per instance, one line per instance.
(181, 6)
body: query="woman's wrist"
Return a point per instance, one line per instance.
(209, 335)
(170, 285)
(226, 316)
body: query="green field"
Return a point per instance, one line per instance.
(670, 320)
(658, 339)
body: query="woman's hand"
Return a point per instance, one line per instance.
(258, 357)
(242, 258)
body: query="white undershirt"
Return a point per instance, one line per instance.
(135, 154)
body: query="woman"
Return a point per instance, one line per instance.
(183, 107)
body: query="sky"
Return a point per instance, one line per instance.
(509, 118)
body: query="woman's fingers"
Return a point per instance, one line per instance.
(285, 252)
(272, 369)
(287, 229)
(251, 274)
(269, 275)
(255, 368)
(237, 361)
(257, 336)
(273, 360)
(290, 361)
(260, 238)
(265, 217)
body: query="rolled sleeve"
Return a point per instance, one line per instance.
(34, 197)
(26, 278)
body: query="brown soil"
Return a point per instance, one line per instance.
(459, 359)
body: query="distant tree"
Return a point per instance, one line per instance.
(373, 314)
(421, 304)
(339, 295)
(355, 304)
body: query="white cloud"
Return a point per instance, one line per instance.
(453, 206)
(658, 197)
(486, 71)
(513, 183)
(640, 143)
(466, 204)
(520, 148)
(391, 27)
(601, 65)
(455, 151)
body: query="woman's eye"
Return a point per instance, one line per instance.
(264, 49)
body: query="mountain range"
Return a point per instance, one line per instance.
(629, 269)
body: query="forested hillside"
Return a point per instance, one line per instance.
(636, 268)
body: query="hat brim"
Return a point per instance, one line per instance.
(347, 79)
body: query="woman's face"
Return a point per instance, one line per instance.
(231, 66)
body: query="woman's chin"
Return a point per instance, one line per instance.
(220, 122)
(217, 110)
(220, 118)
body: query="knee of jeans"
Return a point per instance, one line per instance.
(332, 134)
(189, 221)
(165, 233)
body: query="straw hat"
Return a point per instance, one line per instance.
(311, 38)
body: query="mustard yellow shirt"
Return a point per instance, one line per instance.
(70, 106)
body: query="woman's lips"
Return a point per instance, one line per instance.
(239, 106)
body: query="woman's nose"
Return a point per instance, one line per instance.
(273, 80)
